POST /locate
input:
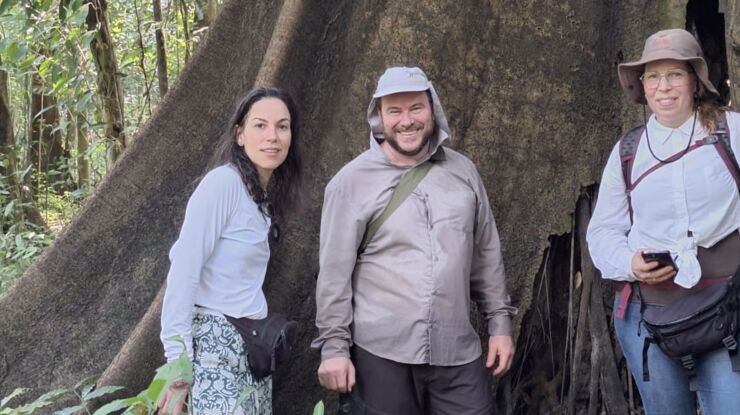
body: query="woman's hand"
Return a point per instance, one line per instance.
(648, 272)
(176, 393)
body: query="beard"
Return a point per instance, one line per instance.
(391, 139)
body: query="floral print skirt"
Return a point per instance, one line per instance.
(222, 382)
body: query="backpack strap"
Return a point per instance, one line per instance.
(724, 147)
(720, 140)
(404, 188)
(627, 150)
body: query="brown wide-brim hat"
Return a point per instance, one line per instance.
(676, 44)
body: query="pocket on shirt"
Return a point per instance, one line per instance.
(457, 210)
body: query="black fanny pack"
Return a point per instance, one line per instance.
(268, 342)
(695, 324)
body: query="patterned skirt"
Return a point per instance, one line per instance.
(222, 382)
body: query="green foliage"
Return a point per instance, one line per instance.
(319, 408)
(83, 391)
(146, 401)
(20, 241)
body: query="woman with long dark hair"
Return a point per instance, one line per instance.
(666, 225)
(219, 261)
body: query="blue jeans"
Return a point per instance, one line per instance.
(668, 392)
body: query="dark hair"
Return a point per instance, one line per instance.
(284, 192)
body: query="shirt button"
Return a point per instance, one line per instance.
(435, 258)
(435, 292)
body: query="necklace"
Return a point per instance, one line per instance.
(685, 150)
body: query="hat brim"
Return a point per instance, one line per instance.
(397, 89)
(630, 72)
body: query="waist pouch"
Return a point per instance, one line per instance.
(695, 324)
(268, 342)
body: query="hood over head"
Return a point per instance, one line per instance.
(403, 79)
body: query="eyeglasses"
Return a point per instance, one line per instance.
(675, 77)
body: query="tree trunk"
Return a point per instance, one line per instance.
(183, 8)
(109, 84)
(731, 11)
(25, 209)
(7, 136)
(205, 13)
(532, 96)
(160, 48)
(142, 66)
(83, 165)
(7, 150)
(672, 14)
(45, 143)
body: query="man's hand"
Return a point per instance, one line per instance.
(337, 374)
(176, 394)
(500, 353)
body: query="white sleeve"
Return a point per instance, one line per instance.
(610, 224)
(733, 125)
(207, 214)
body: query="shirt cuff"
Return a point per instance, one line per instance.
(334, 348)
(499, 325)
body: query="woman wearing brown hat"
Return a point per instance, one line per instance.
(667, 189)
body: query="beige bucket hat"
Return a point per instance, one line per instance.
(675, 44)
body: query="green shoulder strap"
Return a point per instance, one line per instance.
(404, 188)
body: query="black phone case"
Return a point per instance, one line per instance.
(663, 259)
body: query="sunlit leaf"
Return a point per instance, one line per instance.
(319, 408)
(119, 404)
(84, 102)
(17, 392)
(87, 384)
(45, 67)
(9, 209)
(101, 391)
(69, 411)
(79, 16)
(14, 52)
(52, 395)
(6, 4)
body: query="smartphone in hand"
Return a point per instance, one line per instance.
(662, 257)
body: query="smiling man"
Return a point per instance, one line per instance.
(393, 315)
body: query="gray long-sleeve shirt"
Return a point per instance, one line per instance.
(407, 296)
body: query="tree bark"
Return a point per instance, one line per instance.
(7, 136)
(205, 13)
(46, 149)
(731, 11)
(109, 84)
(183, 8)
(7, 149)
(532, 97)
(83, 165)
(25, 210)
(672, 14)
(160, 48)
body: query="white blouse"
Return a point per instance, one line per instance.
(219, 260)
(688, 203)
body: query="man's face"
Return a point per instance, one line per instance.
(408, 122)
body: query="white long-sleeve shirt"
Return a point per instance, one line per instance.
(219, 260)
(695, 193)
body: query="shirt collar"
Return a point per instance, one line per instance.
(662, 133)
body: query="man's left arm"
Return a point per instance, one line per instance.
(488, 284)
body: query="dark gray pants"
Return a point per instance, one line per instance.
(385, 387)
